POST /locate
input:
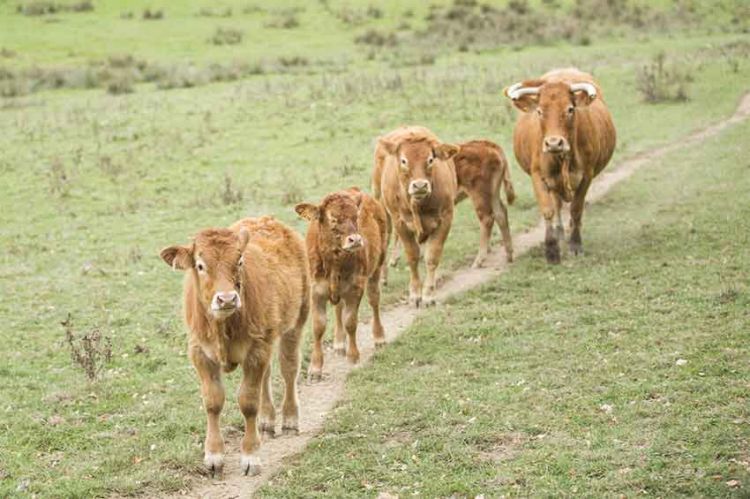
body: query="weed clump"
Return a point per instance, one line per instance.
(658, 81)
(90, 352)
(377, 38)
(42, 8)
(231, 194)
(226, 36)
(152, 15)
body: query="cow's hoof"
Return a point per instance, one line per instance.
(214, 464)
(552, 252)
(478, 262)
(250, 465)
(415, 300)
(393, 261)
(509, 257)
(576, 249)
(315, 375)
(267, 430)
(339, 349)
(379, 343)
(353, 357)
(428, 301)
(290, 431)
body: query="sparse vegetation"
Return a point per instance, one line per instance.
(231, 194)
(659, 81)
(152, 15)
(377, 38)
(226, 36)
(90, 351)
(41, 7)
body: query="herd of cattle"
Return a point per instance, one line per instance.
(250, 286)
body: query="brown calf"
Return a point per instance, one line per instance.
(418, 187)
(563, 138)
(346, 244)
(245, 287)
(481, 170)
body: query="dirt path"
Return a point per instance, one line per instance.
(317, 400)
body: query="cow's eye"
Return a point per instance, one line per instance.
(571, 109)
(403, 161)
(240, 262)
(200, 267)
(539, 111)
(430, 160)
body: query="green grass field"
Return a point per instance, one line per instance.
(92, 185)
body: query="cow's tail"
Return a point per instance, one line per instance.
(510, 192)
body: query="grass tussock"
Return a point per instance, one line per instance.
(226, 36)
(377, 38)
(152, 15)
(90, 351)
(43, 8)
(660, 81)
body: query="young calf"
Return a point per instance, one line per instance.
(481, 170)
(245, 287)
(418, 186)
(346, 244)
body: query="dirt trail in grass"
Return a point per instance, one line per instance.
(317, 400)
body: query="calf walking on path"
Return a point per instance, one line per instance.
(346, 245)
(245, 288)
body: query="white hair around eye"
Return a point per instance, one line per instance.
(200, 265)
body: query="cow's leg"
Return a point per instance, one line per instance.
(253, 368)
(212, 392)
(319, 301)
(433, 253)
(559, 228)
(483, 208)
(576, 214)
(267, 410)
(339, 335)
(373, 296)
(547, 208)
(500, 213)
(411, 248)
(289, 359)
(351, 316)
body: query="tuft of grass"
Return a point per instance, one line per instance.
(226, 36)
(659, 81)
(377, 38)
(152, 15)
(90, 351)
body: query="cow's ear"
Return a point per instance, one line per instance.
(581, 98)
(244, 236)
(446, 151)
(178, 257)
(526, 103)
(390, 146)
(307, 211)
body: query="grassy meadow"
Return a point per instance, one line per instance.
(123, 134)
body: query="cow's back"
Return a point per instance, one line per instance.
(476, 161)
(276, 276)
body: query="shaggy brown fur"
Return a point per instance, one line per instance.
(418, 187)
(583, 126)
(346, 245)
(245, 288)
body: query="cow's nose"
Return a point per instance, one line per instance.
(352, 241)
(554, 143)
(420, 185)
(227, 299)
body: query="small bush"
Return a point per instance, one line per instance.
(59, 181)
(121, 82)
(294, 60)
(659, 82)
(230, 194)
(377, 38)
(226, 36)
(91, 352)
(42, 8)
(286, 21)
(374, 12)
(152, 15)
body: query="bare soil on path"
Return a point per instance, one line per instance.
(317, 400)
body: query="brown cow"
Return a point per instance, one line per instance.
(481, 170)
(418, 186)
(563, 139)
(346, 245)
(244, 288)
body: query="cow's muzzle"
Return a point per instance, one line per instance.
(225, 303)
(420, 189)
(555, 144)
(352, 242)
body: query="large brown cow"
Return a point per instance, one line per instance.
(481, 171)
(418, 188)
(346, 244)
(245, 288)
(563, 138)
